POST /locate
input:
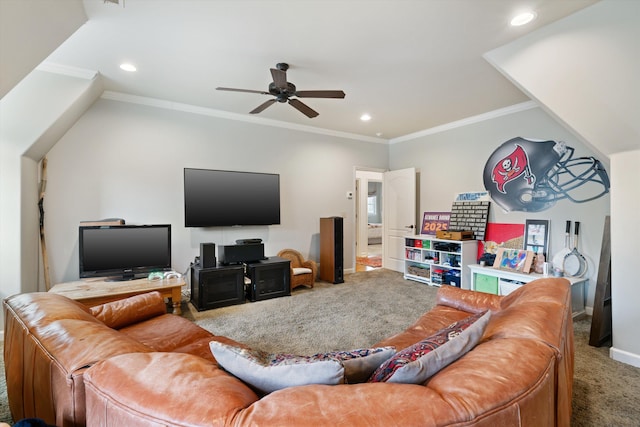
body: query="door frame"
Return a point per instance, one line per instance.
(358, 171)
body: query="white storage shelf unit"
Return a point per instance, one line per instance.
(438, 261)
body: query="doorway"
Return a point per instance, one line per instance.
(369, 220)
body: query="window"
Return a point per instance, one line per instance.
(372, 205)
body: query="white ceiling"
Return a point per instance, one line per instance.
(410, 64)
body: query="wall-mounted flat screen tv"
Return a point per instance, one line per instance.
(123, 252)
(214, 198)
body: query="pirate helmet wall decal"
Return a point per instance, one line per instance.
(532, 175)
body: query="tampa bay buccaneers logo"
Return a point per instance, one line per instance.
(511, 167)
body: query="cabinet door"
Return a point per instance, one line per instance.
(488, 284)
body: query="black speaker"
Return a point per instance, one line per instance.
(238, 254)
(331, 249)
(207, 255)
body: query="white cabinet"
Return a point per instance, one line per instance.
(438, 261)
(488, 279)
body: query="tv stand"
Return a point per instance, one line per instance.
(269, 278)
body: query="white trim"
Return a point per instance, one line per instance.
(67, 70)
(468, 121)
(588, 310)
(625, 357)
(169, 105)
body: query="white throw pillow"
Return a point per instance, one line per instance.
(301, 270)
(270, 372)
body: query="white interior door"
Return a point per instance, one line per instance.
(399, 215)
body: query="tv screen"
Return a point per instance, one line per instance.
(124, 251)
(227, 198)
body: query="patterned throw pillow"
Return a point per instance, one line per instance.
(269, 372)
(419, 362)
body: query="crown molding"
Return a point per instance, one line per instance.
(66, 70)
(527, 105)
(169, 105)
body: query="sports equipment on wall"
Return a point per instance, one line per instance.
(284, 90)
(575, 264)
(531, 175)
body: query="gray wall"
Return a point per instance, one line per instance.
(126, 160)
(452, 161)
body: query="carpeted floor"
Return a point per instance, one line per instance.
(373, 305)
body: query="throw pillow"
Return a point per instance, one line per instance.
(270, 372)
(419, 362)
(359, 364)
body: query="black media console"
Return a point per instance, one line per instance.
(270, 278)
(224, 285)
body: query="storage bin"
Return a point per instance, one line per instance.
(452, 277)
(488, 284)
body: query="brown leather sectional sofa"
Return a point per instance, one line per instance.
(129, 363)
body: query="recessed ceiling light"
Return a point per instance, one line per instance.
(523, 18)
(128, 67)
(365, 117)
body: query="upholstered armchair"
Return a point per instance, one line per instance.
(302, 272)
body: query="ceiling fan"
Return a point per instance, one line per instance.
(284, 90)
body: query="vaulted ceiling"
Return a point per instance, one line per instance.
(410, 64)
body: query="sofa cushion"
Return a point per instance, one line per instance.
(167, 332)
(127, 311)
(417, 363)
(270, 372)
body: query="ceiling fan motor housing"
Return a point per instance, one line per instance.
(282, 94)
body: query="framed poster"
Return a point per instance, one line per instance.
(516, 260)
(536, 237)
(435, 221)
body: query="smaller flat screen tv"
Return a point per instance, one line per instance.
(124, 252)
(214, 198)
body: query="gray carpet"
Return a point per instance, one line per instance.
(371, 306)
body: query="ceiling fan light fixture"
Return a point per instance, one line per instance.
(128, 67)
(523, 18)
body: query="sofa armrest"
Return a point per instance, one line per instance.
(135, 309)
(466, 300)
(163, 389)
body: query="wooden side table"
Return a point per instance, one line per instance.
(92, 292)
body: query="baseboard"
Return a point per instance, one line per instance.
(625, 357)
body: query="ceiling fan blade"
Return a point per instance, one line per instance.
(320, 94)
(279, 78)
(303, 108)
(262, 106)
(243, 90)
